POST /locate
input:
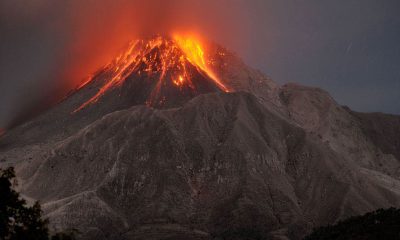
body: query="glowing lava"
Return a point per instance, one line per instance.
(157, 57)
(195, 54)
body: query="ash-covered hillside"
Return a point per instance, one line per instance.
(175, 140)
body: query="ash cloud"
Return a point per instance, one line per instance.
(48, 47)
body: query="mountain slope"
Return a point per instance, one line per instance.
(263, 161)
(222, 164)
(344, 131)
(383, 130)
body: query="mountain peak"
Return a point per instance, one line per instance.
(159, 67)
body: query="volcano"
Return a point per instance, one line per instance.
(175, 139)
(159, 72)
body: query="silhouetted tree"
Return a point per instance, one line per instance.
(18, 221)
(378, 225)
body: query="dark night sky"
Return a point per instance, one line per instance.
(350, 48)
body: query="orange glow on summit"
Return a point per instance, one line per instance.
(195, 54)
(156, 58)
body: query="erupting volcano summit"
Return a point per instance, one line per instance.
(159, 70)
(153, 147)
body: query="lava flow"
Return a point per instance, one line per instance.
(157, 57)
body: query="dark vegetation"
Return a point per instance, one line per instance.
(381, 224)
(18, 220)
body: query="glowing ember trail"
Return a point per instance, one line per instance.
(194, 54)
(156, 57)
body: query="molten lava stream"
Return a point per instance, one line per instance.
(195, 54)
(153, 57)
(118, 66)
